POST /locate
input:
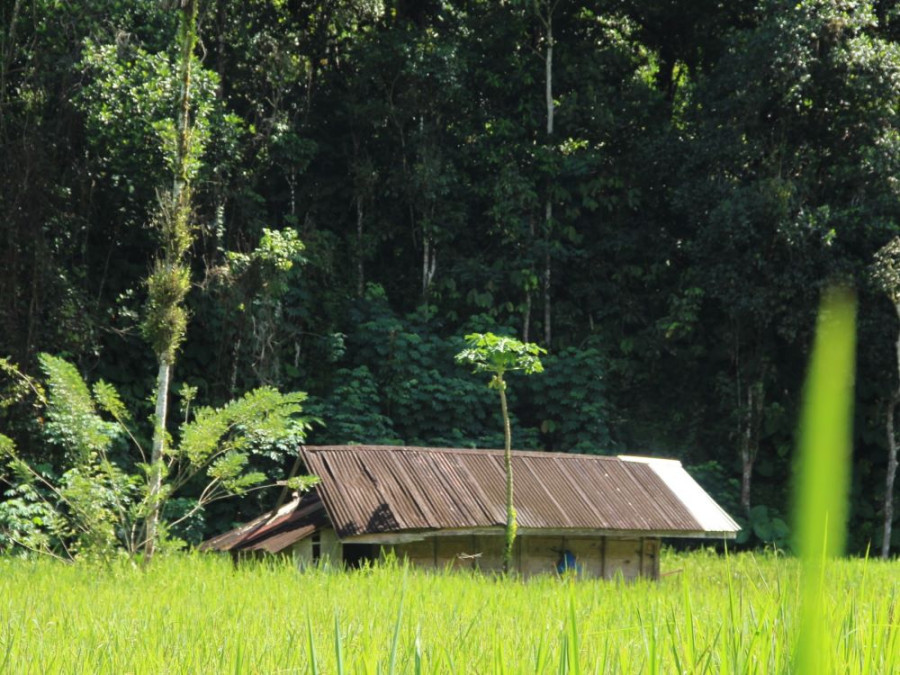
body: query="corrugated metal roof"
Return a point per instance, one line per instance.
(382, 489)
(709, 514)
(276, 530)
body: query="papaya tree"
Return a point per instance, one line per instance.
(498, 355)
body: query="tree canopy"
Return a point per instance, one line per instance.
(672, 206)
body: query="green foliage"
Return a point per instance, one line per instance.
(7, 446)
(72, 418)
(167, 287)
(259, 416)
(26, 520)
(768, 526)
(99, 505)
(427, 400)
(570, 402)
(189, 520)
(353, 411)
(257, 292)
(129, 102)
(711, 165)
(886, 270)
(276, 255)
(489, 353)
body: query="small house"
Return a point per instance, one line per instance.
(439, 507)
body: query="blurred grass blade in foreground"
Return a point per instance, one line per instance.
(823, 467)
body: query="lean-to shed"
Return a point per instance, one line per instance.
(442, 507)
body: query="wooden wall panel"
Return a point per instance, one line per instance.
(650, 559)
(623, 555)
(596, 557)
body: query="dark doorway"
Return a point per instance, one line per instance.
(357, 554)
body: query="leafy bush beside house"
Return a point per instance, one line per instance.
(97, 502)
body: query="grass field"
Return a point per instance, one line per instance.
(197, 614)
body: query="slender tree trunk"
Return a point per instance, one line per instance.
(750, 441)
(33, 302)
(548, 206)
(548, 71)
(360, 264)
(526, 321)
(748, 456)
(529, 291)
(177, 238)
(747, 461)
(547, 314)
(429, 263)
(890, 478)
(5, 61)
(362, 187)
(156, 454)
(511, 524)
(188, 35)
(891, 475)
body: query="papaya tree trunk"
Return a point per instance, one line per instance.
(511, 524)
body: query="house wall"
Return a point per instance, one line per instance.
(596, 557)
(319, 548)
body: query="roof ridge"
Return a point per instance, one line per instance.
(316, 449)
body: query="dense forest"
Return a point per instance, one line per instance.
(654, 191)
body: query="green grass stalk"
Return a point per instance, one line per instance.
(823, 470)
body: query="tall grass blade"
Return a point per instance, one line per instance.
(574, 650)
(823, 469)
(397, 626)
(311, 646)
(418, 655)
(338, 646)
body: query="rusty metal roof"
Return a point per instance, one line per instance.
(383, 489)
(276, 530)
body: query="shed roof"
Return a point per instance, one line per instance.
(376, 490)
(276, 530)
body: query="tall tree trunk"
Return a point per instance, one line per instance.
(33, 309)
(360, 263)
(362, 187)
(526, 320)
(6, 59)
(529, 291)
(747, 456)
(429, 258)
(750, 441)
(891, 475)
(547, 314)
(511, 524)
(170, 318)
(156, 457)
(548, 206)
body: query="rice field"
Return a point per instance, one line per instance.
(199, 614)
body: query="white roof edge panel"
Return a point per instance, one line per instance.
(710, 515)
